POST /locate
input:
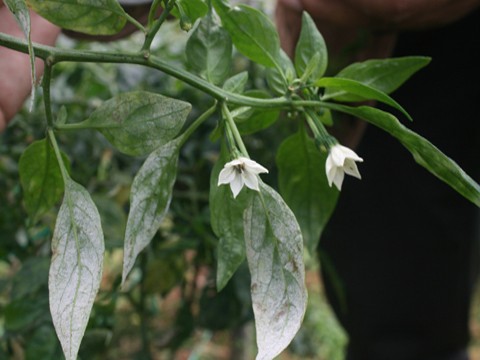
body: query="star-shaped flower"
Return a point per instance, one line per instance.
(341, 160)
(239, 172)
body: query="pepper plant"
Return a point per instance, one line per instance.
(269, 228)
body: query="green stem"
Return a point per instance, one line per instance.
(233, 128)
(47, 77)
(135, 22)
(153, 11)
(200, 120)
(317, 123)
(56, 149)
(311, 125)
(72, 126)
(157, 24)
(61, 55)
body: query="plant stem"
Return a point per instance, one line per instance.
(233, 127)
(72, 126)
(311, 125)
(56, 149)
(57, 55)
(47, 77)
(157, 24)
(135, 22)
(153, 10)
(191, 129)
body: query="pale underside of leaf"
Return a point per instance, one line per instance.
(149, 201)
(275, 256)
(76, 267)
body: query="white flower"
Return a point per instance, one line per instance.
(239, 172)
(341, 160)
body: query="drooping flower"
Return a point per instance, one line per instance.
(341, 160)
(239, 172)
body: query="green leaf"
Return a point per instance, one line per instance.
(94, 17)
(277, 80)
(172, 269)
(76, 267)
(192, 9)
(43, 345)
(21, 13)
(325, 116)
(251, 120)
(138, 122)
(275, 257)
(31, 278)
(309, 44)
(252, 32)
(226, 216)
(385, 75)
(40, 177)
(303, 184)
(365, 92)
(62, 116)
(21, 314)
(236, 84)
(209, 51)
(149, 201)
(424, 152)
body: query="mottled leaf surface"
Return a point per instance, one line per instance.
(76, 267)
(150, 198)
(138, 122)
(40, 177)
(94, 17)
(275, 258)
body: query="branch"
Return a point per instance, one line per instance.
(57, 55)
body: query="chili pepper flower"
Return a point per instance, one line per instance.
(340, 161)
(239, 172)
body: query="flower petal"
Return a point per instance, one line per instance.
(329, 169)
(234, 162)
(338, 179)
(349, 153)
(350, 167)
(253, 166)
(251, 180)
(226, 175)
(336, 155)
(236, 185)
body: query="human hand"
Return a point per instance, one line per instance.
(15, 80)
